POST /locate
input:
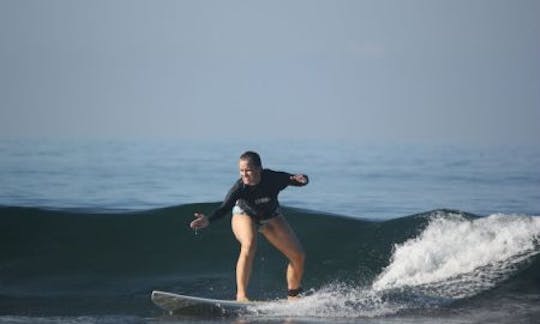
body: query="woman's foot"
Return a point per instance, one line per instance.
(242, 299)
(294, 294)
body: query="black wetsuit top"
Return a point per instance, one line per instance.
(259, 201)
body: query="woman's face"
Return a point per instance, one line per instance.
(251, 175)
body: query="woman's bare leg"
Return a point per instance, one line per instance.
(246, 234)
(280, 234)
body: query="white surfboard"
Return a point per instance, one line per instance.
(175, 303)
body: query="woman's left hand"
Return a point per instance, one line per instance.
(300, 178)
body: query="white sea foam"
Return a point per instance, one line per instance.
(332, 301)
(455, 257)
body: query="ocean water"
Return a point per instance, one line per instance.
(394, 233)
(358, 180)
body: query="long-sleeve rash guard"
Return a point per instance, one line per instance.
(259, 201)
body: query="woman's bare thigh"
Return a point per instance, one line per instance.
(280, 234)
(243, 228)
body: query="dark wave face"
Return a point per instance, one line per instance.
(58, 261)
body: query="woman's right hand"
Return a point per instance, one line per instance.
(201, 221)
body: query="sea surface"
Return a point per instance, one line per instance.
(394, 233)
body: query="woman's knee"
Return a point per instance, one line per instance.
(298, 257)
(248, 246)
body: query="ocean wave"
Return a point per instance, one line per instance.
(355, 266)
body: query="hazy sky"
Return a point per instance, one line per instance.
(458, 71)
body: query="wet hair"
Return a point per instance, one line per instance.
(253, 158)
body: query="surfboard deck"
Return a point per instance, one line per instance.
(176, 303)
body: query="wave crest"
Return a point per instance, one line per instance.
(457, 257)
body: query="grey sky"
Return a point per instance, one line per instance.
(459, 71)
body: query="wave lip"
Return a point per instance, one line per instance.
(456, 257)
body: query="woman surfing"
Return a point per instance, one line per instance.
(255, 208)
